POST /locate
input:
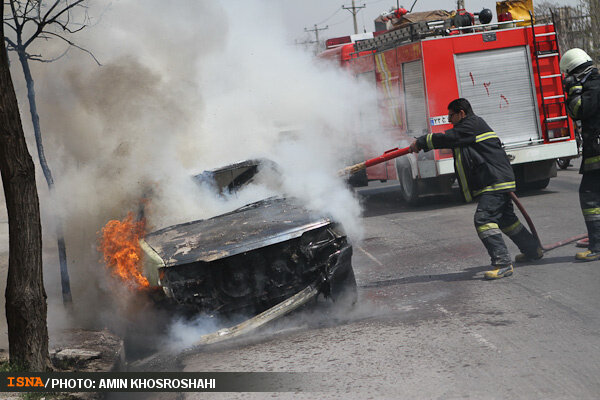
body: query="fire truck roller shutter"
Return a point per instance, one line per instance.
(416, 113)
(499, 85)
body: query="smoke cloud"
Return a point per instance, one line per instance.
(182, 88)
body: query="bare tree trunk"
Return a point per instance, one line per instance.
(35, 119)
(26, 307)
(594, 10)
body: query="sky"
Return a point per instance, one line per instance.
(307, 13)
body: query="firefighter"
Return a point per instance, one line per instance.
(582, 86)
(483, 171)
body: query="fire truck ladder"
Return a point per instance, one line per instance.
(545, 45)
(407, 34)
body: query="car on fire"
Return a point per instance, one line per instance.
(250, 259)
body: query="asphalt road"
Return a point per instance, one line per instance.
(427, 324)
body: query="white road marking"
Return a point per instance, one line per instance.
(371, 256)
(476, 335)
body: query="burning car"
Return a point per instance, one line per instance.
(250, 259)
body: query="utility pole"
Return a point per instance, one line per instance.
(316, 31)
(354, 10)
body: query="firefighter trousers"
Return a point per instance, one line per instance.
(494, 215)
(589, 198)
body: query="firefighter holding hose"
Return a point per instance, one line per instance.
(484, 172)
(582, 86)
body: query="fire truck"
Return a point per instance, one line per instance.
(509, 73)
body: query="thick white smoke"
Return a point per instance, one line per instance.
(184, 87)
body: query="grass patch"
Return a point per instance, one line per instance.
(47, 396)
(6, 366)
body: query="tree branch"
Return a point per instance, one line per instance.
(33, 4)
(66, 9)
(56, 3)
(65, 27)
(11, 44)
(19, 28)
(74, 45)
(38, 57)
(34, 35)
(10, 26)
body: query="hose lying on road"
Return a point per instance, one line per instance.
(548, 247)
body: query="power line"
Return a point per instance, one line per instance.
(341, 22)
(331, 16)
(316, 31)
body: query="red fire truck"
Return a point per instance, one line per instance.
(509, 73)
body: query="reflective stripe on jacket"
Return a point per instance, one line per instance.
(480, 162)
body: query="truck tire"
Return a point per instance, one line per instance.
(538, 185)
(563, 162)
(535, 185)
(409, 187)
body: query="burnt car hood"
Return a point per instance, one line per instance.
(250, 227)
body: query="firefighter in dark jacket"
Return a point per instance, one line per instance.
(483, 171)
(582, 86)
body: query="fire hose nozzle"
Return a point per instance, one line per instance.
(351, 170)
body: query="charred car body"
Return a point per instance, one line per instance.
(252, 258)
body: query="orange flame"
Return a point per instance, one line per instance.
(122, 252)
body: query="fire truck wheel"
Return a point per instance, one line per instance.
(409, 185)
(535, 185)
(538, 185)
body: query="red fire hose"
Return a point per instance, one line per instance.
(548, 247)
(393, 153)
(388, 155)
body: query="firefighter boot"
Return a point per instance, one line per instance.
(587, 255)
(500, 271)
(524, 257)
(525, 241)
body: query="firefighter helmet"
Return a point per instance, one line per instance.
(572, 59)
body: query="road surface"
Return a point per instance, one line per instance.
(428, 325)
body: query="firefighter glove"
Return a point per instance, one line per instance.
(414, 147)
